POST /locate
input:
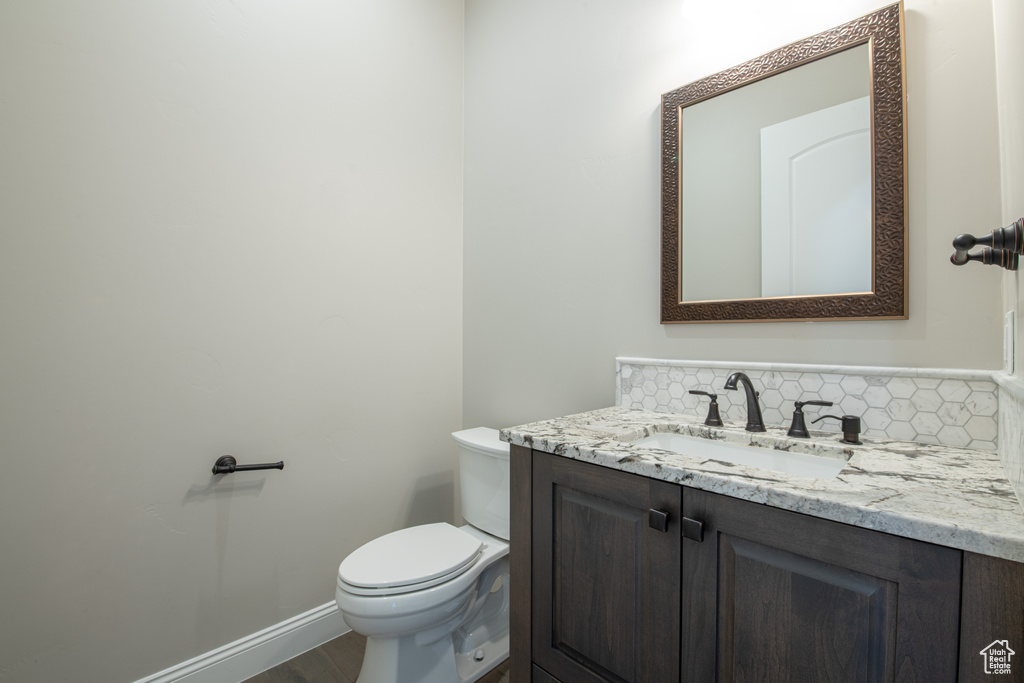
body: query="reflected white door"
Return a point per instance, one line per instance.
(816, 203)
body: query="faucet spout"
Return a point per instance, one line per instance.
(755, 423)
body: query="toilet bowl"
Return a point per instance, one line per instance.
(432, 600)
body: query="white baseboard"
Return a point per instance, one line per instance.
(260, 651)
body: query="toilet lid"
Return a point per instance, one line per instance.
(412, 556)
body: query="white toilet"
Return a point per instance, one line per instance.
(432, 600)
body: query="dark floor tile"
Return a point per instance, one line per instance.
(311, 667)
(346, 652)
(499, 674)
(338, 661)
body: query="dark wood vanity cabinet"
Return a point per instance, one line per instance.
(773, 595)
(600, 593)
(605, 600)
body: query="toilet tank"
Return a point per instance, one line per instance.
(483, 471)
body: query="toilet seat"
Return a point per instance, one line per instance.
(409, 560)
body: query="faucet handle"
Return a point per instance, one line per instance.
(799, 428)
(714, 418)
(800, 404)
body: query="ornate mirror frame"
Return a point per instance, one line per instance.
(883, 31)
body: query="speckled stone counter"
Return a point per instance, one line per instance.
(950, 496)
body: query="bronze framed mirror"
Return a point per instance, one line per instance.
(784, 183)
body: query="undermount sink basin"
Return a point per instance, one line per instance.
(786, 462)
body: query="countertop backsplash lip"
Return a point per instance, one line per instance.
(952, 496)
(948, 406)
(892, 371)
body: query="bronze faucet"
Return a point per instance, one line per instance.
(755, 423)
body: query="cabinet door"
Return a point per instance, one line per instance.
(605, 583)
(991, 614)
(772, 595)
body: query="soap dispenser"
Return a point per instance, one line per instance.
(850, 427)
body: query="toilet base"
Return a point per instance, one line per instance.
(401, 660)
(469, 669)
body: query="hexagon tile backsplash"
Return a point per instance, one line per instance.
(926, 405)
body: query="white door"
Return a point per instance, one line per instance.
(816, 203)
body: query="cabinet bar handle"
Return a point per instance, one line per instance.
(693, 529)
(657, 519)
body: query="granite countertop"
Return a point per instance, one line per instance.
(950, 496)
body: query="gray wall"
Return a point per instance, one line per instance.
(1008, 16)
(562, 194)
(228, 227)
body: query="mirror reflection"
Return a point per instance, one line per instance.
(775, 183)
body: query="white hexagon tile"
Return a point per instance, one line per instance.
(949, 407)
